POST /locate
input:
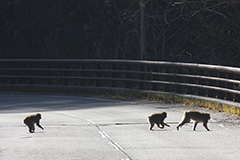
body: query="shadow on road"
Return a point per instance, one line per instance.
(29, 102)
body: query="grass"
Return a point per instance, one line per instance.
(234, 110)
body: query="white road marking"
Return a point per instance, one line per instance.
(102, 134)
(111, 142)
(221, 125)
(115, 145)
(89, 121)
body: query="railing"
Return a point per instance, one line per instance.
(182, 78)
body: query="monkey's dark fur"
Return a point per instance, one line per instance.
(157, 118)
(30, 120)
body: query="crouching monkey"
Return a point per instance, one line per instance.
(197, 117)
(157, 118)
(30, 120)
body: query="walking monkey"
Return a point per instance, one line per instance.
(30, 120)
(197, 117)
(157, 118)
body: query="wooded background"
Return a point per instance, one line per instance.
(198, 31)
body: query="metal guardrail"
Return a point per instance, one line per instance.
(182, 78)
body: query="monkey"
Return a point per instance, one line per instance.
(197, 117)
(157, 118)
(30, 120)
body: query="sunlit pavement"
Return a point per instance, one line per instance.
(90, 128)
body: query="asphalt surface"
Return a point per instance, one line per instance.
(90, 128)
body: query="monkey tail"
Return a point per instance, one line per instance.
(149, 119)
(185, 115)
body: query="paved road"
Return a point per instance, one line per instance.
(88, 128)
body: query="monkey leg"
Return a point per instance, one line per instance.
(181, 124)
(165, 124)
(151, 123)
(195, 125)
(178, 127)
(205, 125)
(31, 128)
(162, 126)
(28, 124)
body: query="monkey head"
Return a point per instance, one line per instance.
(164, 114)
(38, 115)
